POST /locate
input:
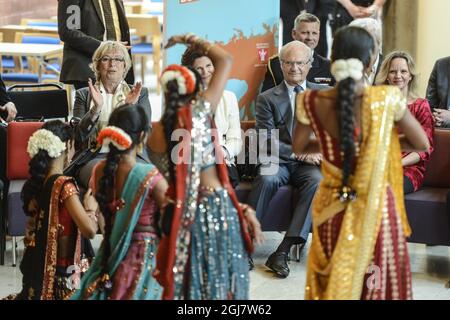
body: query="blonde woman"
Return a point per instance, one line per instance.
(398, 69)
(94, 104)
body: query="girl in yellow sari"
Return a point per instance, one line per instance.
(359, 220)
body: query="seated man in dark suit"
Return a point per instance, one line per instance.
(438, 92)
(307, 30)
(275, 110)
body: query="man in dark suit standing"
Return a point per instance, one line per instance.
(82, 26)
(438, 92)
(289, 10)
(275, 110)
(307, 30)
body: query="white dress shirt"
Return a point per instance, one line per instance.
(227, 119)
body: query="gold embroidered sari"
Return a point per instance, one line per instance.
(341, 275)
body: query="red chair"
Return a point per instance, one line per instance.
(17, 160)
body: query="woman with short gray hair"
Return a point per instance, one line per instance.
(94, 104)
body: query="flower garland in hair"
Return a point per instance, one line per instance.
(185, 78)
(119, 138)
(44, 139)
(349, 68)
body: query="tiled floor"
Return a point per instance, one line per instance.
(430, 267)
(430, 270)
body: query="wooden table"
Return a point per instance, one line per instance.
(145, 15)
(38, 51)
(133, 7)
(9, 31)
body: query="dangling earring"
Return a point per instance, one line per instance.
(140, 148)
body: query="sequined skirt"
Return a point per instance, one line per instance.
(218, 260)
(133, 278)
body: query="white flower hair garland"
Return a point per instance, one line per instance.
(174, 75)
(44, 139)
(115, 135)
(348, 68)
(185, 79)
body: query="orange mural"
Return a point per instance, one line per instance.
(250, 62)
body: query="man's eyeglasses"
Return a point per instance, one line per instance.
(107, 59)
(298, 64)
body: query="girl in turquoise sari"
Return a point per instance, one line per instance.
(129, 194)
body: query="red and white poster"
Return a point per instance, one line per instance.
(248, 29)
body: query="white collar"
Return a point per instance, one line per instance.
(118, 89)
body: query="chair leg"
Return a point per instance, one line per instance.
(2, 243)
(69, 91)
(296, 249)
(2, 233)
(2, 252)
(2, 239)
(2, 249)
(157, 71)
(143, 61)
(14, 251)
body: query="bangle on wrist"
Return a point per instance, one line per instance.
(92, 213)
(94, 217)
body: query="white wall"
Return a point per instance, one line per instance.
(433, 37)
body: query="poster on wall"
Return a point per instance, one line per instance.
(246, 29)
